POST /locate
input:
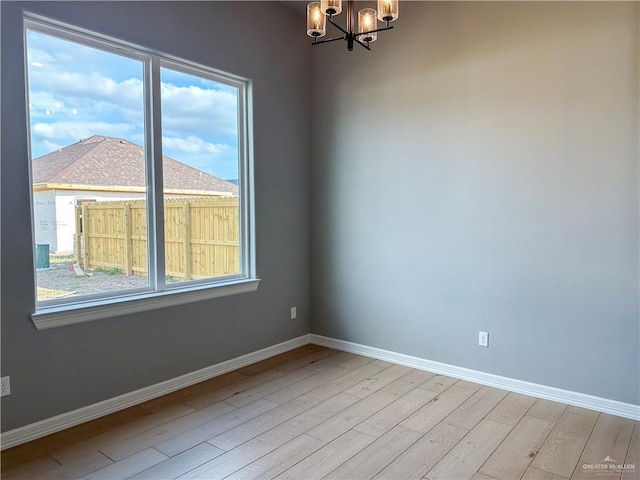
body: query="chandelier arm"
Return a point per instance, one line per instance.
(327, 40)
(337, 26)
(373, 31)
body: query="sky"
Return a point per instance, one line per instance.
(77, 91)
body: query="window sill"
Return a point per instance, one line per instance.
(60, 316)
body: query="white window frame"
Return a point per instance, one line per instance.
(158, 294)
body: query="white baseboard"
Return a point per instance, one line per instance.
(583, 400)
(39, 429)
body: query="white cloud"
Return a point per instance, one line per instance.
(186, 110)
(79, 89)
(199, 110)
(79, 130)
(218, 159)
(41, 102)
(47, 137)
(40, 58)
(193, 144)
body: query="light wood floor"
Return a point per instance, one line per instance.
(318, 413)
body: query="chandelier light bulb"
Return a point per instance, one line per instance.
(366, 23)
(331, 7)
(387, 10)
(316, 21)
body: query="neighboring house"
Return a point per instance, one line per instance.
(103, 168)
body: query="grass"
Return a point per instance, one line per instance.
(49, 293)
(108, 271)
(58, 259)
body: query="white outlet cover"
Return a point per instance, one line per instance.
(294, 312)
(483, 339)
(5, 388)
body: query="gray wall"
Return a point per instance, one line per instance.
(479, 171)
(58, 370)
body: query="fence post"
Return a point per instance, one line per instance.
(85, 234)
(77, 236)
(128, 253)
(187, 241)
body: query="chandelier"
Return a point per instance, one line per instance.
(318, 13)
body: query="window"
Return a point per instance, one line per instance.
(141, 177)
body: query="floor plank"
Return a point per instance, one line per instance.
(377, 381)
(328, 390)
(582, 411)
(336, 360)
(382, 363)
(533, 473)
(230, 462)
(129, 466)
(183, 394)
(120, 433)
(328, 458)
(547, 410)
(184, 441)
(391, 415)
(607, 445)
(306, 360)
(262, 423)
(181, 463)
(121, 449)
(422, 456)
(476, 407)
(280, 459)
(78, 467)
(376, 456)
(562, 449)
(409, 381)
(439, 383)
(351, 416)
(249, 395)
(513, 456)
(511, 409)
(632, 462)
(465, 459)
(301, 387)
(200, 401)
(467, 384)
(355, 363)
(437, 409)
(33, 450)
(37, 466)
(304, 422)
(270, 363)
(481, 476)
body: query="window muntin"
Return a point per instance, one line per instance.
(152, 136)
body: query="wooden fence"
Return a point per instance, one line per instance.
(201, 236)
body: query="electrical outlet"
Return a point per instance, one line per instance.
(5, 386)
(294, 313)
(483, 339)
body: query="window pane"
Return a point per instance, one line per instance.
(86, 109)
(200, 171)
